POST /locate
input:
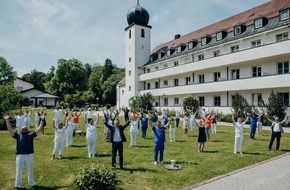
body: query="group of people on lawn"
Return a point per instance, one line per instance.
(114, 133)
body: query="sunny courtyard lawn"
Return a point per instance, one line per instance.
(139, 172)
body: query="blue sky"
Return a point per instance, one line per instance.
(35, 34)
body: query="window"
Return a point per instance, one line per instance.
(192, 77)
(142, 33)
(175, 63)
(235, 74)
(256, 43)
(129, 73)
(200, 57)
(130, 88)
(187, 80)
(19, 88)
(235, 48)
(201, 100)
(216, 53)
(285, 98)
(217, 76)
(178, 49)
(201, 78)
(203, 41)
(165, 101)
(156, 84)
(176, 101)
(130, 33)
(148, 70)
(282, 37)
(284, 15)
(156, 67)
(175, 82)
(148, 86)
(130, 59)
(165, 83)
(219, 36)
(168, 52)
(217, 101)
(165, 65)
(259, 23)
(257, 71)
(190, 45)
(283, 67)
(256, 99)
(237, 30)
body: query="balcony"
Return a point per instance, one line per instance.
(253, 83)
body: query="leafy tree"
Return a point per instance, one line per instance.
(142, 102)
(276, 106)
(94, 83)
(107, 70)
(240, 103)
(6, 71)
(190, 103)
(50, 74)
(37, 78)
(70, 77)
(10, 98)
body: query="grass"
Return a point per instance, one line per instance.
(139, 172)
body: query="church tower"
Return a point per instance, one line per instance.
(138, 48)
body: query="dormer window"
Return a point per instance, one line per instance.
(284, 14)
(205, 40)
(161, 54)
(221, 35)
(192, 44)
(170, 51)
(239, 29)
(180, 48)
(260, 22)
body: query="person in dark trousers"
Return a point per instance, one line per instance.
(126, 114)
(24, 151)
(117, 139)
(276, 129)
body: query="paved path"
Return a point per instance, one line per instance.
(273, 174)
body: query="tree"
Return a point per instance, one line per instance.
(7, 75)
(10, 98)
(70, 77)
(37, 78)
(142, 102)
(240, 103)
(107, 70)
(276, 106)
(94, 83)
(190, 103)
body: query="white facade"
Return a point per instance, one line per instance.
(252, 63)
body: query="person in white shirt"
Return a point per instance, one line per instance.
(57, 115)
(36, 119)
(89, 115)
(239, 126)
(91, 136)
(69, 130)
(20, 121)
(59, 138)
(134, 129)
(276, 129)
(27, 120)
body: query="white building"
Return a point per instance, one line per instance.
(247, 53)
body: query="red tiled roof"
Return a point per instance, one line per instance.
(269, 10)
(122, 82)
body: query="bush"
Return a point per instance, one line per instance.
(2, 124)
(96, 177)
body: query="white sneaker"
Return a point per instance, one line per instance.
(235, 152)
(170, 140)
(241, 153)
(155, 163)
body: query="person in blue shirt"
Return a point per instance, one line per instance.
(144, 123)
(164, 117)
(159, 139)
(24, 151)
(154, 118)
(253, 125)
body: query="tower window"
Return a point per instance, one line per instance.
(130, 33)
(142, 33)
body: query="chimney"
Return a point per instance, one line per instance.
(177, 36)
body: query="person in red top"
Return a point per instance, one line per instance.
(76, 124)
(207, 124)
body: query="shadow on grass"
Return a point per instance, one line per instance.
(180, 141)
(144, 146)
(182, 162)
(132, 170)
(210, 151)
(217, 141)
(103, 155)
(69, 158)
(285, 150)
(252, 153)
(39, 187)
(78, 146)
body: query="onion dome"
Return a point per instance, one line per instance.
(138, 15)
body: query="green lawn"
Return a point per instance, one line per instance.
(139, 172)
